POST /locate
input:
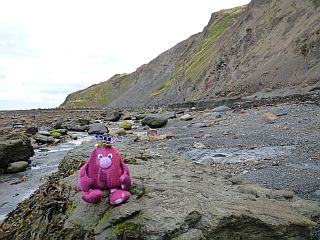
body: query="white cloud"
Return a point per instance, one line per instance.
(51, 48)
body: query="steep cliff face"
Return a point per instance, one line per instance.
(264, 46)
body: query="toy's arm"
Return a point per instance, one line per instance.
(85, 184)
(125, 179)
(84, 181)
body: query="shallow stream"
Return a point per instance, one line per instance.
(14, 188)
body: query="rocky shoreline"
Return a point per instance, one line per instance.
(224, 173)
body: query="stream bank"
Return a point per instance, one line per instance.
(14, 188)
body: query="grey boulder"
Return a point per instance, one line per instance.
(98, 128)
(15, 167)
(14, 151)
(155, 120)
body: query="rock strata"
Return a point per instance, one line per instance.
(172, 198)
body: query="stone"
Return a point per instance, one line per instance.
(251, 162)
(146, 127)
(44, 139)
(139, 116)
(17, 125)
(44, 132)
(152, 132)
(80, 128)
(74, 124)
(199, 145)
(269, 117)
(63, 132)
(74, 137)
(236, 180)
(126, 116)
(57, 124)
(207, 115)
(15, 167)
(186, 117)
(154, 120)
(221, 109)
(112, 116)
(32, 130)
(97, 128)
(280, 194)
(169, 115)
(217, 114)
(14, 151)
(170, 135)
(150, 138)
(119, 132)
(125, 125)
(199, 125)
(84, 121)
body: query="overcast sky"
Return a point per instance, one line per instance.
(49, 49)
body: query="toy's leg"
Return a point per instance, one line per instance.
(92, 196)
(118, 196)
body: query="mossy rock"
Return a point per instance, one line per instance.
(70, 209)
(155, 120)
(15, 167)
(125, 125)
(55, 134)
(127, 229)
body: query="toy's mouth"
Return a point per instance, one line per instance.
(105, 162)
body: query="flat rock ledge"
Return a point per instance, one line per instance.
(172, 199)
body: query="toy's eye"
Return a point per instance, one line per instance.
(100, 156)
(109, 155)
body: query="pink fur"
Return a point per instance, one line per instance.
(104, 170)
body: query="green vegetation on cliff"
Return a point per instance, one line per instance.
(102, 94)
(242, 51)
(203, 54)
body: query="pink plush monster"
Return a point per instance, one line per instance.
(104, 170)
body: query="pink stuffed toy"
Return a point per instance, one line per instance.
(104, 170)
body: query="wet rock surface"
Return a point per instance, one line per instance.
(14, 151)
(250, 179)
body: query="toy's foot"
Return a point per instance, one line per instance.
(93, 196)
(118, 196)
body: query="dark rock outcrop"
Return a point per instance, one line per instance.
(32, 130)
(15, 151)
